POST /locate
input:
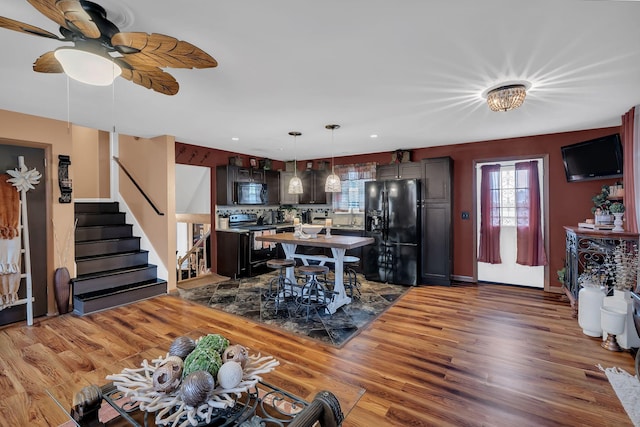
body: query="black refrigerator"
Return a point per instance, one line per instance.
(392, 218)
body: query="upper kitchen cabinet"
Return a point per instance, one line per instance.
(313, 188)
(226, 175)
(285, 197)
(437, 228)
(406, 170)
(272, 179)
(247, 174)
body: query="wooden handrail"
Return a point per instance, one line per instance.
(126, 172)
(195, 248)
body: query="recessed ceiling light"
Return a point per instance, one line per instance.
(235, 138)
(373, 136)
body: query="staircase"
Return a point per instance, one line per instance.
(112, 270)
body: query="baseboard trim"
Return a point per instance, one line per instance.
(467, 279)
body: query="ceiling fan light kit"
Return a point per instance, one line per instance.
(138, 57)
(87, 67)
(505, 98)
(332, 184)
(295, 184)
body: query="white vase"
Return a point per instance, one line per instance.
(617, 222)
(590, 300)
(621, 301)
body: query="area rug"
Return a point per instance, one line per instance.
(244, 297)
(627, 388)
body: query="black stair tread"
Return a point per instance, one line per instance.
(119, 289)
(97, 274)
(104, 256)
(84, 207)
(111, 239)
(102, 226)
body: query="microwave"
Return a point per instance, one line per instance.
(249, 193)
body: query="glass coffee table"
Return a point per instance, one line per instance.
(276, 402)
(265, 403)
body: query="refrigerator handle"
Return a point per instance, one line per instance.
(385, 214)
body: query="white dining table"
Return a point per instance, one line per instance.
(338, 246)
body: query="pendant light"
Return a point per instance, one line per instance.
(295, 185)
(332, 185)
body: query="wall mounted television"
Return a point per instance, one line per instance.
(598, 158)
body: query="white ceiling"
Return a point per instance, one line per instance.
(411, 71)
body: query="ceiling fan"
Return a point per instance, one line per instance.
(137, 57)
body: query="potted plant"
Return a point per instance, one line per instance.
(617, 209)
(601, 206)
(622, 270)
(590, 299)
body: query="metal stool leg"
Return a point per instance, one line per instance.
(352, 285)
(277, 290)
(313, 295)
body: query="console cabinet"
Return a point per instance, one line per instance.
(585, 247)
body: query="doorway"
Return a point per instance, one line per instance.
(508, 271)
(37, 215)
(193, 220)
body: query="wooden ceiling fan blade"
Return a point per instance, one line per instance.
(74, 13)
(48, 8)
(149, 77)
(11, 24)
(159, 50)
(47, 63)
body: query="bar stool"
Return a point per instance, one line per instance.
(351, 283)
(280, 287)
(313, 293)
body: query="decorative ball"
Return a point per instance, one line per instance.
(196, 387)
(230, 375)
(214, 341)
(202, 359)
(237, 353)
(168, 375)
(182, 346)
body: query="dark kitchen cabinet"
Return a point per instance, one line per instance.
(313, 188)
(437, 232)
(272, 179)
(407, 170)
(226, 175)
(285, 197)
(232, 253)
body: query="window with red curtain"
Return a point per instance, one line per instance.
(530, 243)
(489, 246)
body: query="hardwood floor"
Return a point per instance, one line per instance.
(484, 355)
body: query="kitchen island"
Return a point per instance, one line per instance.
(338, 246)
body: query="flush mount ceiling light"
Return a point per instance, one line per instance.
(88, 67)
(505, 98)
(295, 185)
(332, 185)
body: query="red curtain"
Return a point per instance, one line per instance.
(489, 250)
(628, 174)
(530, 246)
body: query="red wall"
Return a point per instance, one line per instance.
(569, 203)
